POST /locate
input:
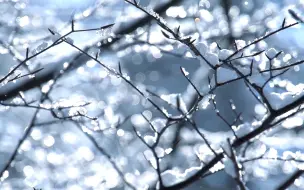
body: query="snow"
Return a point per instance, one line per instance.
(172, 99)
(224, 75)
(171, 177)
(180, 49)
(271, 52)
(212, 58)
(159, 123)
(224, 54)
(260, 109)
(150, 140)
(186, 73)
(202, 48)
(240, 43)
(293, 122)
(279, 100)
(205, 102)
(243, 129)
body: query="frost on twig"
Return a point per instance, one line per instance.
(173, 134)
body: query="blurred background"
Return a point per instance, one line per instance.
(58, 155)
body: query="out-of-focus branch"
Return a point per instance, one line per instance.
(290, 180)
(226, 5)
(11, 90)
(28, 130)
(246, 138)
(105, 154)
(240, 141)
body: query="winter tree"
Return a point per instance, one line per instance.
(163, 94)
